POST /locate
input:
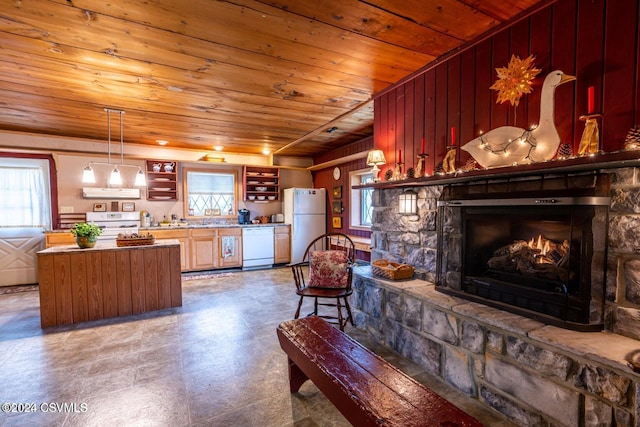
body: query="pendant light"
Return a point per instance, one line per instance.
(115, 178)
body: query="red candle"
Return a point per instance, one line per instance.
(590, 99)
(399, 156)
(453, 135)
(422, 151)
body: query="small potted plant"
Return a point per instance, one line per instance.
(86, 234)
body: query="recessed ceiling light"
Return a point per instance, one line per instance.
(332, 129)
(266, 151)
(162, 141)
(218, 147)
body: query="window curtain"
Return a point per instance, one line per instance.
(25, 195)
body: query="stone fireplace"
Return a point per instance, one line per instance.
(538, 369)
(539, 253)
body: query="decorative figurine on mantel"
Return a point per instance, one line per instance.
(511, 145)
(590, 141)
(420, 170)
(397, 171)
(449, 162)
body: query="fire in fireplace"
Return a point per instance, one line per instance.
(535, 254)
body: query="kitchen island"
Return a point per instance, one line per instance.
(78, 285)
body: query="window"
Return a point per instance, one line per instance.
(210, 192)
(26, 195)
(361, 200)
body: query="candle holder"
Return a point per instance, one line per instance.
(397, 172)
(420, 168)
(590, 140)
(449, 161)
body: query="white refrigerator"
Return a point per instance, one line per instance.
(305, 209)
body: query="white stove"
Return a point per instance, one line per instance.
(114, 223)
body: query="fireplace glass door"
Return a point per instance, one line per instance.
(533, 257)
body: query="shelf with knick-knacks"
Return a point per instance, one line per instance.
(162, 180)
(261, 184)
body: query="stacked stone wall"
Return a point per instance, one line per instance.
(529, 371)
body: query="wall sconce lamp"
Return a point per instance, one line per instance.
(88, 176)
(375, 158)
(408, 203)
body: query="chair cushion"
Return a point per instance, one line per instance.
(328, 269)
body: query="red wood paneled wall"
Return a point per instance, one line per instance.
(597, 41)
(323, 178)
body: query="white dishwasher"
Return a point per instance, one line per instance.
(257, 247)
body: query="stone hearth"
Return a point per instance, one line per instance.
(472, 346)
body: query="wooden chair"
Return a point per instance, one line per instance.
(334, 255)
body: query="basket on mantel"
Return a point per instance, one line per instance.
(391, 270)
(143, 241)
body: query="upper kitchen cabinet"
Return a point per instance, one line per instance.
(261, 184)
(162, 180)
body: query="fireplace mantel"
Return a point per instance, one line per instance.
(628, 158)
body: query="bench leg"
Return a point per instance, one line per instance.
(296, 377)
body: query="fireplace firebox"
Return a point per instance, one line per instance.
(538, 254)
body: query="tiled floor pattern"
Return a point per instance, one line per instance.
(213, 362)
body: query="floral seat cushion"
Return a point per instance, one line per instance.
(328, 269)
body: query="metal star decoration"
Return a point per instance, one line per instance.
(515, 80)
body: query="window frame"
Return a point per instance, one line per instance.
(220, 171)
(355, 199)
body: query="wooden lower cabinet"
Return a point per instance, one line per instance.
(59, 239)
(78, 285)
(282, 245)
(215, 248)
(181, 236)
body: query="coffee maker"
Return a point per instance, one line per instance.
(244, 216)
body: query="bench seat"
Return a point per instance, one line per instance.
(365, 388)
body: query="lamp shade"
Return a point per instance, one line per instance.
(408, 203)
(376, 157)
(88, 176)
(140, 178)
(115, 178)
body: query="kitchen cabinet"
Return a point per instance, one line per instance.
(78, 285)
(181, 236)
(59, 239)
(215, 248)
(282, 245)
(261, 184)
(162, 180)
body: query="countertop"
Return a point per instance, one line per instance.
(190, 226)
(102, 245)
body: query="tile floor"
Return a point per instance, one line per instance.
(213, 362)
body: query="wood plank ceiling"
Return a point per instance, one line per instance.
(243, 74)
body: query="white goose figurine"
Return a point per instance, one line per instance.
(509, 145)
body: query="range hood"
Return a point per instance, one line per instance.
(110, 193)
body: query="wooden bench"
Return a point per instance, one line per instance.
(366, 389)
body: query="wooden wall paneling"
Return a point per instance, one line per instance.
(467, 130)
(150, 280)
(636, 115)
(563, 58)
(409, 119)
(419, 118)
(109, 279)
(47, 290)
(123, 278)
(79, 287)
(442, 114)
(430, 117)
(519, 46)
(454, 90)
(540, 47)
(137, 281)
(175, 278)
(64, 305)
(589, 61)
(500, 58)
(164, 277)
(619, 74)
(396, 121)
(94, 285)
(483, 95)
